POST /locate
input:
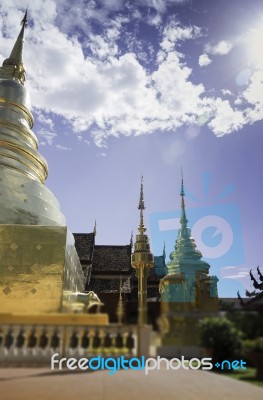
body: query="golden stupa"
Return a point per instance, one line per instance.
(39, 266)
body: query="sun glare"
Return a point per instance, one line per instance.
(255, 39)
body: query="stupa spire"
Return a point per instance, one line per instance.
(131, 240)
(141, 207)
(183, 219)
(95, 228)
(13, 66)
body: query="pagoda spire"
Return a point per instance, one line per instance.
(142, 261)
(120, 306)
(131, 240)
(141, 207)
(13, 66)
(183, 219)
(95, 228)
(164, 251)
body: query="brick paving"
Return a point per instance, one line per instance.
(43, 384)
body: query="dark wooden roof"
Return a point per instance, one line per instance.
(84, 243)
(159, 266)
(109, 285)
(254, 302)
(111, 259)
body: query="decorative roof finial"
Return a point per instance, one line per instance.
(131, 241)
(141, 202)
(141, 207)
(24, 21)
(183, 219)
(13, 67)
(182, 180)
(120, 306)
(164, 253)
(95, 228)
(121, 287)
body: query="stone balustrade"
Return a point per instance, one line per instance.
(29, 344)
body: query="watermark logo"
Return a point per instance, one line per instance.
(97, 363)
(150, 364)
(231, 365)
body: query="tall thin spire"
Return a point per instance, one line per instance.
(120, 306)
(183, 219)
(141, 207)
(131, 240)
(121, 287)
(95, 228)
(13, 66)
(142, 261)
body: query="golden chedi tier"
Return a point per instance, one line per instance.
(39, 267)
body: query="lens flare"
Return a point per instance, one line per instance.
(255, 45)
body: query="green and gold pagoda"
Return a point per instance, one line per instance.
(188, 292)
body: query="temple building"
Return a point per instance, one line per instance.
(188, 292)
(107, 266)
(108, 270)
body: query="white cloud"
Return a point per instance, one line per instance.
(160, 5)
(108, 93)
(177, 93)
(237, 276)
(101, 47)
(221, 48)
(101, 90)
(174, 32)
(46, 137)
(234, 272)
(63, 148)
(226, 92)
(254, 92)
(253, 97)
(204, 60)
(44, 119)
(225, 119)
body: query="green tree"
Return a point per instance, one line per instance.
(249, 323)
(222, 337)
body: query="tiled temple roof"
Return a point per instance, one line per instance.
(111, 259)
(84, 243)
(109, 285)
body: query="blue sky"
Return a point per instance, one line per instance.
(123, 88)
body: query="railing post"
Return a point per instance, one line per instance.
(143, 340)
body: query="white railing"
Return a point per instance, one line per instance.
(29, 344)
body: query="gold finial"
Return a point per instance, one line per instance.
(141, 202)
(182, 185)
(141, 207)
(120, 306)
(24, 21)
(120, 286)
(13, 67)
(142, 261)
(95, 228)
(183, 219)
